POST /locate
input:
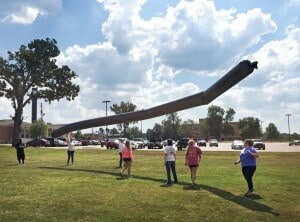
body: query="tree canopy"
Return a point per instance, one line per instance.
(31, 66)
(124, 107)
(272, 132)
(38, 129)
(250, 127)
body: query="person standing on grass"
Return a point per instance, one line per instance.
(20, 152)
(71, 149)
(120, 148)
(247, 158)
(169, 160)
(127, 158)
(192, 159)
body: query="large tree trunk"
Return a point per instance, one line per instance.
(17, 125)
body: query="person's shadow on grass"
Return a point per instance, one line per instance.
(247, 202)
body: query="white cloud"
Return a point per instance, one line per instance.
(26, 11)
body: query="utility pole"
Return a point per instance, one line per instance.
(106, 101)
(34, 93)
(288, 116)
(42, 112)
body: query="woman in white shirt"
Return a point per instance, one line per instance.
(71, 149)
(169, 160)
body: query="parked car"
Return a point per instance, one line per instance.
(259, 144)
(201, 142)
(77, 143)
(103, 143)
(112, 143)
(133, 144)
(38, 142)
(95, 142)
(295, 143)
(213, 142)
(60, 142)
(155, 142)
(182, 143)
(139, 142)
(85, 142)
(237, 145)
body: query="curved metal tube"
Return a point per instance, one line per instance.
(235, 75)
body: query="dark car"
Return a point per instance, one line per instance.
(112, 143)
(213, 142)
(155, 142)
(38, 142)
(295, 143)
(103, 143)
(182, 143)
(201, 142)
(85, 142)
(259, 144)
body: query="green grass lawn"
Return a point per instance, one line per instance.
(91, 190)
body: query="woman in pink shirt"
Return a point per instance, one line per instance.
(127, 158)
(192, 159)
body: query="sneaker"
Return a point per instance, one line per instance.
(121, 174)
(249, 192)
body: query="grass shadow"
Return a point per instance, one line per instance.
(246, 202)
(191, 187)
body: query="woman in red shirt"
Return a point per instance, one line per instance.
(127, 158)
(192, 159)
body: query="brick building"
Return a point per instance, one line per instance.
(6, 130)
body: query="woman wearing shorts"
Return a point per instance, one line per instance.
(127, 158)
(192, 159)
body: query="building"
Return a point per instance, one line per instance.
(236, 135)
(6, 130)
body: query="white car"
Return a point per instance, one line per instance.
(139, 142)
(77, 143)
(133, 144)
(237, 145)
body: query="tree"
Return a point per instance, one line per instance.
(249, 127)
(186, 128)
(156, 131)
(78, 135)
(38, 129)
(214, 120)
(227, 127)
(171, 126)
(124, 107)
(272, 132)
(34, 65)
(134, 132)
(114, 131)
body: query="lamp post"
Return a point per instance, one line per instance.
(34, 104)
(106, 101)
(288, 116)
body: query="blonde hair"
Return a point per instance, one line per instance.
(191, 142)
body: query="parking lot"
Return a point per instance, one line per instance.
(226, 146)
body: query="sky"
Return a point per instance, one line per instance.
(152, 52)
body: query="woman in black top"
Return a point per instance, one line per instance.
(20, 151)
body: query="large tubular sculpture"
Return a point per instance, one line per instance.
(235, 75)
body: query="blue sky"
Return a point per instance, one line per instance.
(153, 52)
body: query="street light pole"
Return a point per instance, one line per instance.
(106, 101)
(288, 116)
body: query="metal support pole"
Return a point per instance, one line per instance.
(106, 101)
(288, 116)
